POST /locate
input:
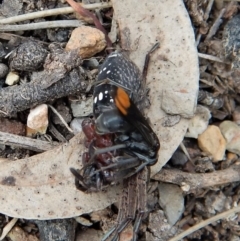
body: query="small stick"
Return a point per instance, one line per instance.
(61, 118)
(199, 180)
(51, 12)
(211, 57)
(208, 9)
(42, 25)
(8, 228)
(204, 223)
(206, 16)
(199, 36)
(184, 149)
(216, 25)
(25, 142)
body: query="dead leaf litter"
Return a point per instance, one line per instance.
(49, 60)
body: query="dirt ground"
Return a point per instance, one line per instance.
(196, 196)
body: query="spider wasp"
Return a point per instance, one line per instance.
(120, 141)
(118, 118)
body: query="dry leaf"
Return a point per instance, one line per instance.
(173, 72)
(42, 187)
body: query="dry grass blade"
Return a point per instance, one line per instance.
(204, 223)
(8, 228)
(42, 25)
(51, 12)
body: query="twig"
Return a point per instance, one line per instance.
(8, 228)
(8, 36)
(25, 142)
(208, 9)
(204, 223)
(206, 82)
(199, 180)
(61, 118)
(216, 25)
(42, 25)
(184, 149)
(211, 57)
(198, 38)
(51, 12)
(18, 98)
(55, 133)
(205, 17)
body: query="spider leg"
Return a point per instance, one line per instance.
(97, 151)
(146, 162)
(139, 183)
(121, 163)
(142, 200)
(147, 59)
(78, 179)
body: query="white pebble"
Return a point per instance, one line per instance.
(199, 123)
(76, 125)
(12, 78)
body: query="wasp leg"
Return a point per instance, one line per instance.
(122, 163)
(147, 59)
(145, 162)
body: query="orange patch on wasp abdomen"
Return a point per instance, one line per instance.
(122, 101)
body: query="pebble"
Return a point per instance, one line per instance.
(159, 228)
(215, 202)
(2, 51)
(76, 125)
(18, 234)
(199, 123)
(126, 234)
(29, 56)
(172, 104)
(37, 121)
(231, 35)
(213, 143)
(236, 115)
(178, 158)
(3, 70)
(87, 40)
(232, 157)
(89, 234)
(231, 132)
(81, 108)
(91, 63)
(12, 78)
(83, 221)
(172, 201)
